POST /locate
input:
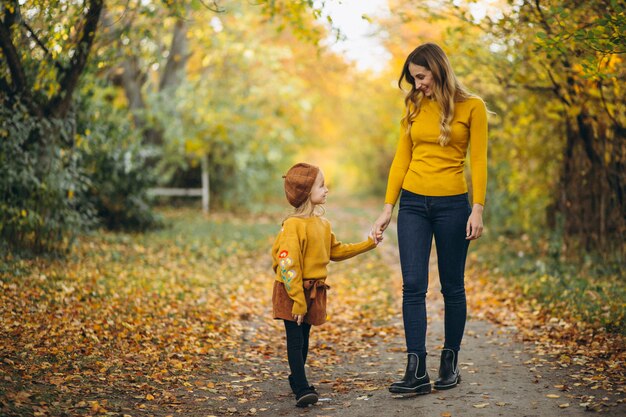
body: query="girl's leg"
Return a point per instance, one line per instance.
(449, 222)
(295, 350)
(306, 330)
(414, 240)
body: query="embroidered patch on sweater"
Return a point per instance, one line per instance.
(285, 273)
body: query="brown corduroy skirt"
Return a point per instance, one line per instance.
(315, 296)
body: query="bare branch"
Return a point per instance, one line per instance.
(214, 8)
(557, 88)
(542, 17)
(120, 18)
(68, 79)
(37, 41)
(18, 76)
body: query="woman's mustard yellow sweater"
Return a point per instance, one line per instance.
(422, 166)
(303, 249)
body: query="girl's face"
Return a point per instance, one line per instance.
(423, 78)
(319, 191)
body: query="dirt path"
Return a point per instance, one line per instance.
(501, 377)
(179, 324)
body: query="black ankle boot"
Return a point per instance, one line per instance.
(416, 380)
(449, 375)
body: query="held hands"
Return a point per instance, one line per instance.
(474, 227)
(381, 224)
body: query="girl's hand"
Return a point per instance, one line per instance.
(298, 318)
(474, 228)
(381, 223)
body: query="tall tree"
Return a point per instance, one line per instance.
(573, 52)
(44, 48)
(17, 40)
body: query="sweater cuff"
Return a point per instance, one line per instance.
(298, 308)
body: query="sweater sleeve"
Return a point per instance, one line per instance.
(288, 264)
(341, 251)
(478, 152)
(399, 167)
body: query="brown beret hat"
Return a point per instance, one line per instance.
(299, 181)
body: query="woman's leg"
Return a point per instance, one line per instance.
(414, 240)
(450, 216)
(296, 353)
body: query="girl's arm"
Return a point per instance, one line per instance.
(341, 251)
(288, 265)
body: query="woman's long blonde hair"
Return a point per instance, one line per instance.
(447, 89)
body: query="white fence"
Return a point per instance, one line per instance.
(189, 192)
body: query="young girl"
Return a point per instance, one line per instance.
(303, 248)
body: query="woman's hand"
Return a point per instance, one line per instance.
(381, 223)
(474, 228)
(298, 318)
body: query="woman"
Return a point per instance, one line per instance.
(442, 120)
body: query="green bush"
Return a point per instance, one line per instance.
(41, 182)
(115, 161)
(58, 178)
(588, 289)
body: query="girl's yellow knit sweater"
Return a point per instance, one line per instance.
(303, 249)
(422, 166)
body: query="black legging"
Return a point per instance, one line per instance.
(297, 350)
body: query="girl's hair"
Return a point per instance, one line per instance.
(446, 89)
(307, 209)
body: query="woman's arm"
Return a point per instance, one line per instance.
(478, 161)
(397, 172)
(381, 223)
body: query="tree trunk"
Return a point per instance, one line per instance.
(592, 189)
(177, 58)
(132, 78)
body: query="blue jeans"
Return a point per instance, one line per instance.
(419, 218)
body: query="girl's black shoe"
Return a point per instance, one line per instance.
(293, 386)
(449, 375)
(306, 397)
(416, 379)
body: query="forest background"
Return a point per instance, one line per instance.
(101, 101)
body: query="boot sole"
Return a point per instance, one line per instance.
(420, 389)
(448, 386)
(306, 400)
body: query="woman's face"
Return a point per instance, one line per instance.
(423, 78)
